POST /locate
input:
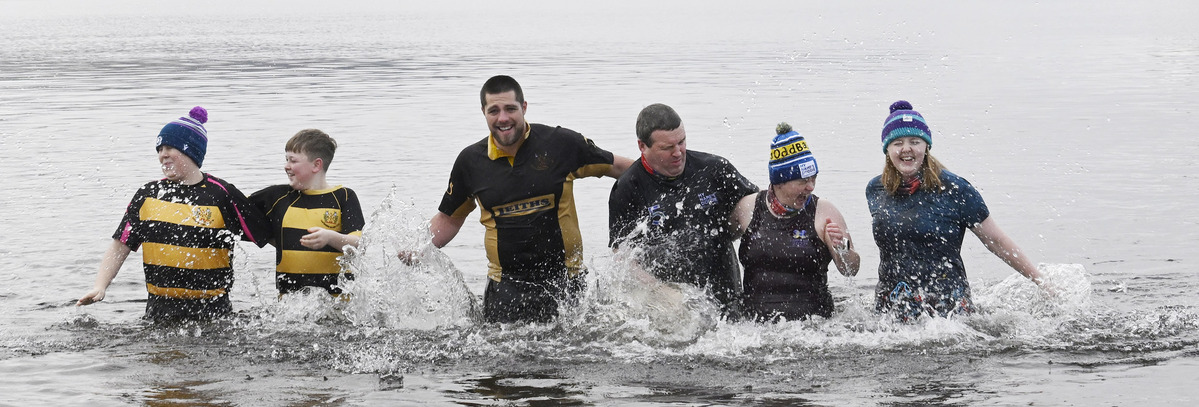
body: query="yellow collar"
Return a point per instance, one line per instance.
(320, 191)
(494, 152)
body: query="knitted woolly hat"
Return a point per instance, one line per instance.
(790, 157)
(905, 122)
(187, 134)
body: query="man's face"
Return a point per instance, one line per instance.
(505, 118)
(667, 152)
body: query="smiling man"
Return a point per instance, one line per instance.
(521, 177)
(684, 199)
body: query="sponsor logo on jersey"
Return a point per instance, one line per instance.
(524, 207)
(706, 201)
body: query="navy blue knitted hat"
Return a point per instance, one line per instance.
(790, 157)
(187, 135)
(905, 122)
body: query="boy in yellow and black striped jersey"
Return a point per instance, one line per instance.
(310, 221)
(187, 223)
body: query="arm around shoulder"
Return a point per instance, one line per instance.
(619, 166)
(742, 214)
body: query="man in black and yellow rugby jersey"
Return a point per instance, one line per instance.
(311, 222)
(187, 223)
(684, 199)
(521, 176)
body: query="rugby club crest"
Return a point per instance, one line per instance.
(332, 220)
(202, 215)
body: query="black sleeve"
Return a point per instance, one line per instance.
(252, 224)
(622, 212)
(129, 231)
(738, 184)
(458, 200)
(352, 219)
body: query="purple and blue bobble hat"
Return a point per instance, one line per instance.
(187, 134)
(905, 122)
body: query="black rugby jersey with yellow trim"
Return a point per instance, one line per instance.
(188, 233)
(291, 213)
(527, 204)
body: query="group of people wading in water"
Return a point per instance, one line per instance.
(681, 212)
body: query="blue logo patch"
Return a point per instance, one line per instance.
(656, 216)
(799, 238)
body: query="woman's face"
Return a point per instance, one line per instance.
(907, 155)
(795, 192)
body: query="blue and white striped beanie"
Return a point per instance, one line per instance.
(187, 135)
(790, 157)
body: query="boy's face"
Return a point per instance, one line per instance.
(176, 166)
(300, 170)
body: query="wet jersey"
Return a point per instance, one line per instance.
(919, 237)
(686, 238)
(527, 202)
(188, 233)
(291, 213)
(786, 264)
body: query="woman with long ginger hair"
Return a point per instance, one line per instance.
(920, 213)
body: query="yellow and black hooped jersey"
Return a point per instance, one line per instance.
(291, 213)
(188, 234)
(527, 201)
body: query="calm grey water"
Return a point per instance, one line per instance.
(1075, 119)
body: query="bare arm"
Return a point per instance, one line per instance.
(619, 166)
(321, 237)
(110, 264)
(999, 243)
(444, 228)
(831, 229)
(739, 219)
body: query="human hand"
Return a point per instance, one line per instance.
(1047, 287)
(318, 238)
(409, 257)
(92, 297)
(837, 237)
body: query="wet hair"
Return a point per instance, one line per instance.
(499, 84)
(930, 174)
(313, 143)
(656, 117)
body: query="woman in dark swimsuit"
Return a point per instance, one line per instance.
(789, 237)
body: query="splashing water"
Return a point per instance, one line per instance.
(1069, 283)
(429, 293)
(624, 303)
